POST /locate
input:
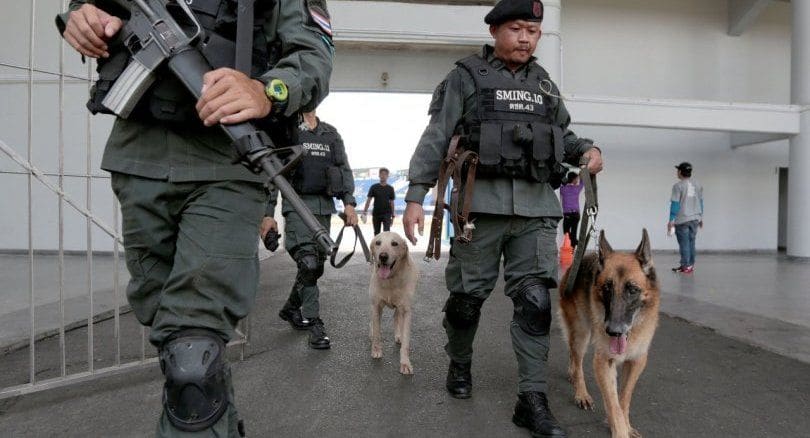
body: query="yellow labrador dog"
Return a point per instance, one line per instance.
(393, 284)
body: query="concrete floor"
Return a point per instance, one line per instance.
(700, 381)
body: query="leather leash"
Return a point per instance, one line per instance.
(358, 236)
(453, 167)
(587, 223)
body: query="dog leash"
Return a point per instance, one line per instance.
(457, 161)
(358, 235)
(587, 224)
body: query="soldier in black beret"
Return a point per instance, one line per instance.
(505, 107)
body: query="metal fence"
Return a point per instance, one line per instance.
(68, 370)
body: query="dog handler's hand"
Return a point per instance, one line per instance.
(229, 96)
(595, 163)
(268, 223)
(351, 215)
(414, 215)
(88, 28)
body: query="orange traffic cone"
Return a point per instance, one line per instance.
(566, 253)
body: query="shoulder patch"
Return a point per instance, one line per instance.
(319, 14)
(438, 98)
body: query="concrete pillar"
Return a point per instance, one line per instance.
(549, 50)
(798, 231)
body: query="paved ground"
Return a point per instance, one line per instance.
(698, 383)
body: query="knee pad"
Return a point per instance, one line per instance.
(533, 309)
(310, 269)
(196, 393)
(462, 311)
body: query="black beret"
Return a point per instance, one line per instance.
(505, 10)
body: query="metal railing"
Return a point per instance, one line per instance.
(55, 183)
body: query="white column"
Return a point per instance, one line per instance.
(798, 231)
(549, 50)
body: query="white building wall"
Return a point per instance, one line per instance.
(625, 48)
(674, 50)
(740, 188)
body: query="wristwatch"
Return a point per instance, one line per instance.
(276, 91)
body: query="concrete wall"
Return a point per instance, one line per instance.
(626, 48)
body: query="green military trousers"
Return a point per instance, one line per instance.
(191, 251)
(299, 241)
(528, 248)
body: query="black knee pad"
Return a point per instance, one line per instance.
(195, 395)
(533, 309)
(310, 269)
(462, 311)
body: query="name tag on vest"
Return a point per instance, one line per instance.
(317, 149)
(519, 101)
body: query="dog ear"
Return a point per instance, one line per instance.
(644, 253)
(604, 248)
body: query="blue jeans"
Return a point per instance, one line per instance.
(686, 233)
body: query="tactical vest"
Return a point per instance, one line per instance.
(513, 130)
(319, 173)
(168, 99)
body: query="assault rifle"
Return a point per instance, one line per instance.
(153, 37)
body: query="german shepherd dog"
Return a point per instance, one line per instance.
(614, 305)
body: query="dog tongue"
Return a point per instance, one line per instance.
(618, 344)
(384, 272)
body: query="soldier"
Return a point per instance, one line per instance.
(508, 110)
(324, 173)
(190, 215)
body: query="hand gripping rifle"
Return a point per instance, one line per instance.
(153, 37)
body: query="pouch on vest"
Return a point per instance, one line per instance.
(334, 182)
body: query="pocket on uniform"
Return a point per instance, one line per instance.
(546, 252)
(229, 286)
(468, 257)
(145, 283)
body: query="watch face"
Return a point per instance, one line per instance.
(276, 90)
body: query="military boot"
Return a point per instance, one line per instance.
(317, 335)
(459, 379)
(293, 316)
(532, 412)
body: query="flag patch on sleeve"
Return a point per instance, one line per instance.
(321, 18)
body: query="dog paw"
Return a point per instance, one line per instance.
(584, 401)
(634, 433)
(406, 368)
(376, 351)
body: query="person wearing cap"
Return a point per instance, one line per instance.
(507, 109)
(686, 215)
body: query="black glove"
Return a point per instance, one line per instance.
(271, 240)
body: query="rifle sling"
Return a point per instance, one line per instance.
(244, 36)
